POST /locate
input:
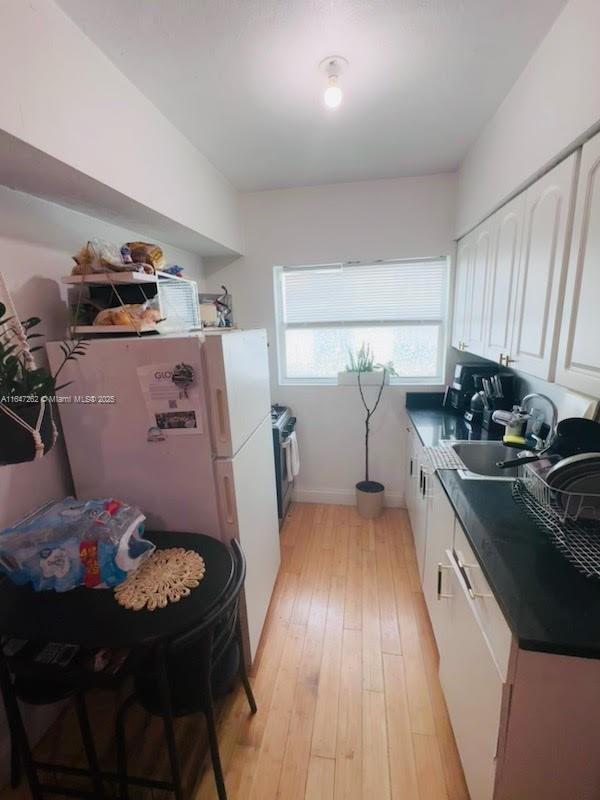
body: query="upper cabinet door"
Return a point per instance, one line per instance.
(544, 252)
(477, 291)
(579, 352)
(462, 283)
(503, 274)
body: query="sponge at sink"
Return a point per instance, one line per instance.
(519, 441)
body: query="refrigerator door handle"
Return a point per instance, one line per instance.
(221, 415)
(229, 510)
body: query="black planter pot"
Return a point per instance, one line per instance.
(16, 443)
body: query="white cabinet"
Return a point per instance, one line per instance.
(544, 253)
(579, 354)
(472, 686)
(510, 276)
(440, 535)
(526, 723)
(419, 525)
(416, 495)
(461, 292)
(491, 619)
(471, 633)
(472, 268)
(419, 520)
(507, 225)
(477, 290)
(410, 483)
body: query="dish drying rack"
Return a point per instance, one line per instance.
(570, 519)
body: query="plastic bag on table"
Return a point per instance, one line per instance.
(93, 543)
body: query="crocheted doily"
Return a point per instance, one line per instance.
(165, 577)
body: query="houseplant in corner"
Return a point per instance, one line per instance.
(26, 392)
(369, 494)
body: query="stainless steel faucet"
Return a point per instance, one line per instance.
(553, 424)
(520, 415)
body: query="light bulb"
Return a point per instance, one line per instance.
(333, 93)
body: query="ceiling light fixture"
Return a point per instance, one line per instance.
(333, 67)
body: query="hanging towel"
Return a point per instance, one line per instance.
(292, 456)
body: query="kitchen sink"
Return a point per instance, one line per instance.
(480, 460)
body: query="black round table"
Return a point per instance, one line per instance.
(93, 618)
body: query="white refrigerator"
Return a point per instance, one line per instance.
(195, 454)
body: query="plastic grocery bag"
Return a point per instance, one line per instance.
(70, 543)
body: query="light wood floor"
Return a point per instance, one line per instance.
(350, 706)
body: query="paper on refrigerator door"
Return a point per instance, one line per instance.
(174, 406)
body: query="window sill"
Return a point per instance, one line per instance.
(432, 384)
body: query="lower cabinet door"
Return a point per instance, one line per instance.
(436, 577)
(412, 469)
(415, 494)
(472, 686)
(419, 519)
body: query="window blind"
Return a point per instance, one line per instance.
(402, 291)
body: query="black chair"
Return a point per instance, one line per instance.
(184, 677)
(42, 691)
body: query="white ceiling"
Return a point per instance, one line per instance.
(239, 78)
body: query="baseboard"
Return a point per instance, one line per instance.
(332, 497)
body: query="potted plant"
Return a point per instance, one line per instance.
(26, 392)
(363, 363)
(369, 494)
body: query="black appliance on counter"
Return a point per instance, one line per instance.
(283, 424)
(461, 390)
(492, 393)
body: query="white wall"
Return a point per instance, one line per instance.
(401, 218)
(37, 240)
(62, 95)
(555, 101)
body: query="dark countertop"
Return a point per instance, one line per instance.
(549, 606)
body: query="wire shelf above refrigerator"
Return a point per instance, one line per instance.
(109, 278)
(86, 330)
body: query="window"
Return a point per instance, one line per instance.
(398, 308)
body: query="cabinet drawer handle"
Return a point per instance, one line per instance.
(411, 468)
(463, 567)
(440, 593)
(481, 595)
(428, 491)
(460, 571)
(464, 564)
